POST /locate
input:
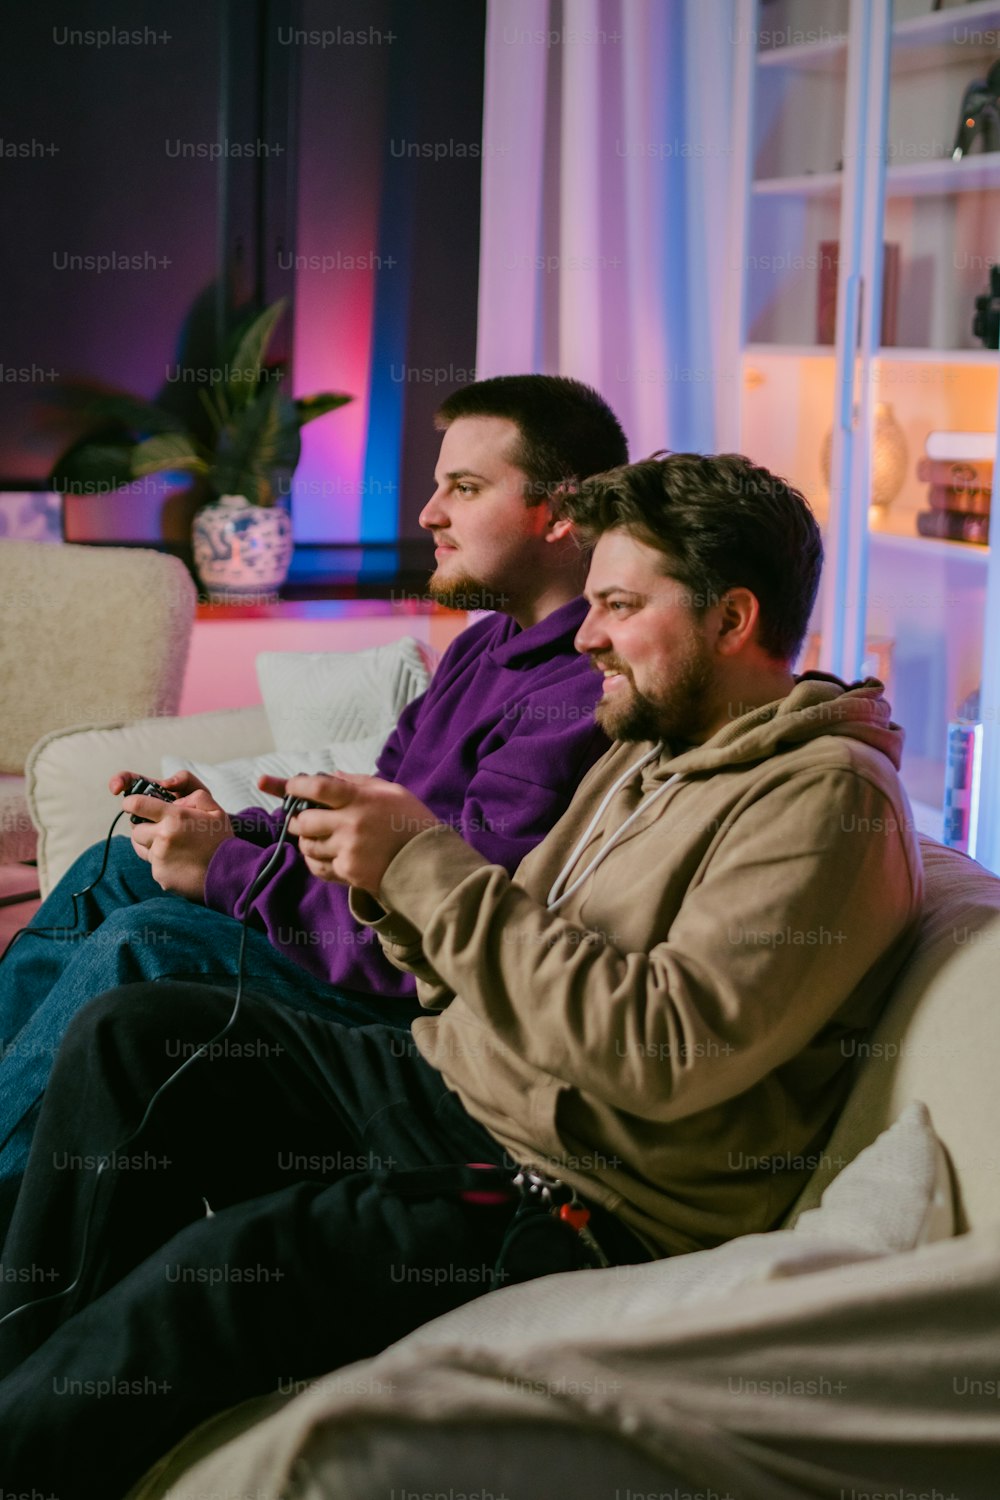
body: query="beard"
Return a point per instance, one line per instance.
(677, 709)
(464, 591)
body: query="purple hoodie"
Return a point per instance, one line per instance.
(496, 747)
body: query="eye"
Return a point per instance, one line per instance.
(617, 605)
(464, 488)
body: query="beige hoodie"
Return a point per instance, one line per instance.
(676, 1039)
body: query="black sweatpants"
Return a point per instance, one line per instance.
(241, 1240)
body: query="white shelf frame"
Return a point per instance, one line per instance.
(940, 178)
(843, 617)
(885, 354)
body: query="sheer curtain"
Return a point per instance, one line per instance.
(607, 184)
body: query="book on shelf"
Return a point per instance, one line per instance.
(948, 525)
(971, 447)
(958, 467)
(826, 301)
(957, 474)
(959, 501)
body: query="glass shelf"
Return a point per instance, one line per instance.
(939, 356)
(886, 538)
(826, 55)
(805, 185)
(943, 176)
(790, 351)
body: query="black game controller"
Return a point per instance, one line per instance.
(292, 806)
(140, 787)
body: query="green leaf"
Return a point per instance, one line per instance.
(308, 408)
(247, 358)
(92, 468)
(218, 416)
(250, 447)
(174, 450)
(132, 413)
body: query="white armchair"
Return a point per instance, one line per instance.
(87, 635)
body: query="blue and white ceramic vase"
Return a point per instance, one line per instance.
(241, 549)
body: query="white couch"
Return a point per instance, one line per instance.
(877, 1377)
(805, 1379)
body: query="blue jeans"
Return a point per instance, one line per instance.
(128, 929)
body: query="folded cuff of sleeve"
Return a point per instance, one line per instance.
(393, 930)
(425, 872)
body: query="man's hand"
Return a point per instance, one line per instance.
(368, 822)
(180, 838)
(181, 783)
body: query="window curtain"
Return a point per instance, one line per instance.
(606, 192)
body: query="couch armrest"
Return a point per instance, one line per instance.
(67, 771)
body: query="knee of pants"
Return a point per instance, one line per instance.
(144, 918)
(143, 1009)
(127, 1004)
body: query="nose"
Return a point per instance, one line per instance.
(591, 635)
(434, 515)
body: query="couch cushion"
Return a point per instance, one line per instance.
(314, 698)
(938, 1040)
(233, 783)
(68, 770)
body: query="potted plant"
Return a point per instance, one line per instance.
(246, 442)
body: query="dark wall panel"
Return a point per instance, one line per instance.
(113, 231)
(160, 158)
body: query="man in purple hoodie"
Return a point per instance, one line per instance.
(495, 747)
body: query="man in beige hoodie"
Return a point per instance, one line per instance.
(655, 1016)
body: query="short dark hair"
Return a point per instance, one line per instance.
(723, 522)
(568, 431)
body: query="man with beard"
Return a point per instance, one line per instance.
(496, 747)
(650, 1017)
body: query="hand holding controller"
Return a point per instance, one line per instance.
(292, 806)
(141, 787)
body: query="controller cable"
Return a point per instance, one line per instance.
(290, 807)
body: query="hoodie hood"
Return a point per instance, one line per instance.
(817, 705)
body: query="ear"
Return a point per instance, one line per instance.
(557, 529)
(558, 526)
(739, 614)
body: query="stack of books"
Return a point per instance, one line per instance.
(958, 467)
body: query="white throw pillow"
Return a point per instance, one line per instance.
(316, 698)
(894, 1196)
(233, 783)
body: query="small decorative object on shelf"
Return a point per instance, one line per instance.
(960, 476)
(980, 116)
(240, 548)
(986, 323)
(962, 774)
(889, 456)
(826, 302)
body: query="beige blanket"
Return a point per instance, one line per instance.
(881, 1379)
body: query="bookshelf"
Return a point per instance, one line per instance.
(847, 116)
